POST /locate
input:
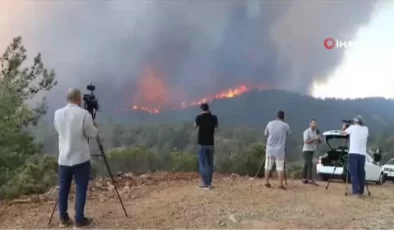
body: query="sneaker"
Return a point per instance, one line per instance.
(268, 185)
(356, 195)
(64, 223)
(85, 222)
(305, 181)
(204, 187)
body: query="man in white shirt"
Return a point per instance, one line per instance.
(358, 137)
(277, 132)
(311, 140)
(74, 126)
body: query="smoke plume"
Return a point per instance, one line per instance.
(182, 50)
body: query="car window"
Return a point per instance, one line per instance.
(336, 143)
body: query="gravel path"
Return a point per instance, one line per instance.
(230, 204)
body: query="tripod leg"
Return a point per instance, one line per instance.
(347, 180)
(53, 211)
(110, 173)
(366, 186)
(329, 180)
(284, 171)
(113, 182)
(261, 165)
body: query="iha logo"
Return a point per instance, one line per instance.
(331, 43)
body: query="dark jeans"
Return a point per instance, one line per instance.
(205, 159)
(308, 165)
(81, 174)
(357, 172)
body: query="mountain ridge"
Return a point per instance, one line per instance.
(258, 107)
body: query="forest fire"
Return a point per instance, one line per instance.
(153, 94)
(229, 93)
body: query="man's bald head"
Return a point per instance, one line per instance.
(74, 96)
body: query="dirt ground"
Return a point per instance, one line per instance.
(166, 200)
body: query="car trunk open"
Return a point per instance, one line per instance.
(338, 150)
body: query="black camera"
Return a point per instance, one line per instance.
(348, 122)
(91, 101)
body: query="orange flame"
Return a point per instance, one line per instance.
(224, 94)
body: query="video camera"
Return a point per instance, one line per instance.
(91, 101)
(348, 122)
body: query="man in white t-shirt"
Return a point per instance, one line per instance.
(277, 132)
(358, 136)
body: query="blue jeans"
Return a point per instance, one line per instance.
(81, 174)
(357, 172)
(205, 159)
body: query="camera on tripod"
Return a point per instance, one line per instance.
(91, 101)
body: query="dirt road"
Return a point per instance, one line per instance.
(178, 203)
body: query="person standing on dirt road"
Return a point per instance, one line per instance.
(206, 123)
(358, 137)
(311, 140)
(74, 126)
(277, 132)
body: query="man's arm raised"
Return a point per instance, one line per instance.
(89, 127)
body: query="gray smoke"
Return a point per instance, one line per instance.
(199, 47)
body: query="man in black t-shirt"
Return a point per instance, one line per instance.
(206, 123)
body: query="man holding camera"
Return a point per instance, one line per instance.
(358, 136)
(311, 141)
(74, 126)
(277, 132)
(206, 123)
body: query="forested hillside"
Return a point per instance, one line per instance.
(256, 108)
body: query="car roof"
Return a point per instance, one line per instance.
(333, 133)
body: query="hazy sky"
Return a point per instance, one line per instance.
(368, 69)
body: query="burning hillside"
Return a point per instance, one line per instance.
(224, 94)
(153, 94)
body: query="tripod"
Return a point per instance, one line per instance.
(345, 167)
(101, 148)
(261, 165)
(335, 168)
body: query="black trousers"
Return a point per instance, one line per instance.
(308, 165)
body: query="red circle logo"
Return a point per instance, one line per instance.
(329, 43)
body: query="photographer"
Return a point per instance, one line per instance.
(206, 123)
(358, 136)
(74, 126)
(277, 132)
(311, 140)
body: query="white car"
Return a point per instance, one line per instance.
(331, 164)
(388, 170)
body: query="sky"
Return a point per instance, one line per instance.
(368, 68)
(365, 71)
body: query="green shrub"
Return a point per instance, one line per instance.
(136, 159)
(295, 170)
(245, 162)
(184, 162)
(253, 159)
(36, 176)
